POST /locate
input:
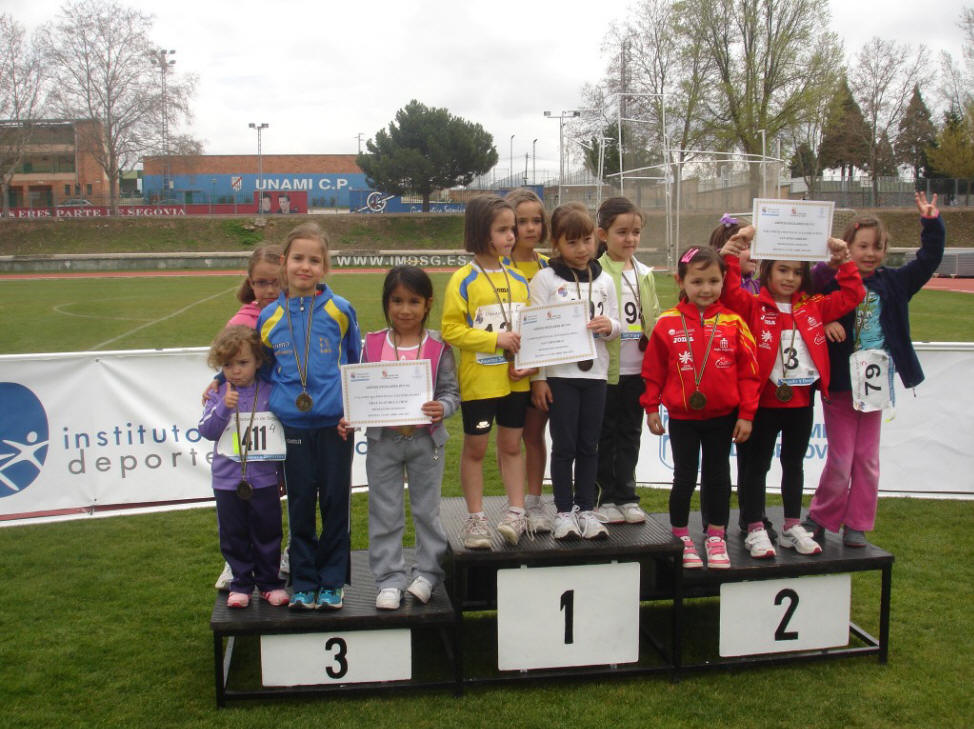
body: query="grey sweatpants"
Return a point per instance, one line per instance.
(388, 459)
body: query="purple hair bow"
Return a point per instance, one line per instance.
(727, 220)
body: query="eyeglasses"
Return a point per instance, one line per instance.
(265, 283)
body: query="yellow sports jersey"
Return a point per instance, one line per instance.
(527, 268)
(471, 320)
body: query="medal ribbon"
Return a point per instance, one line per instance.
(781, 349)
(578, 287)
(302, 369)
(706, 355)
(242, 443)
(508, 315)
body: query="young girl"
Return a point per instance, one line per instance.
(531, 231)
(849, 486)
(248, 506)
(480, 307)
(700, 364)
(573, 394)
(407, 296)
(311, 332)
(788, 324)
(619, 226)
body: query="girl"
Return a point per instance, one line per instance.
(792, 354)
(481, 303)
(531, 231)
(248, 505)
(849, 486)
(573, 394)
(311, 332)
(407, 296)
(700, 364)
(619, 226)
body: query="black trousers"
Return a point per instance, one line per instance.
(622, 428)
(688, 438)
(575, 420)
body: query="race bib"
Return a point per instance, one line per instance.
(872, 380)
(491, 319)
(632, 317)
(795, 366)
(265, 438)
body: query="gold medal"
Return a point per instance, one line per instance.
(245, 490)
(698, 401)
(783, 392)
(304, 402)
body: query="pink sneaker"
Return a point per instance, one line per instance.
(691, 559)
(717, 558)
(238, 600)
(276, 597)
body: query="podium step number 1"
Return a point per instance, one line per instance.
(358, 656)
(553, 617)
(776, 616)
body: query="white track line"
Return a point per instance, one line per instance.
(162, 318)
(59, 310)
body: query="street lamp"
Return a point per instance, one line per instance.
(571, 114)
(260, 164)
(534, 162)
(511, 162)
(161, 59)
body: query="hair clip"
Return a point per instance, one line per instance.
(688, 256)
(855, 226)
(727, 220)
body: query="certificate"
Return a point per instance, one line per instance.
(792, 230)
(554, 334)
(387, 393)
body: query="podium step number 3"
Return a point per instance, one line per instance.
(776, 616)
(553, 617)
(359, 656)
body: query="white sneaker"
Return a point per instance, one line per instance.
(225, 578)
(388, 598)
(476, 533)
(590, 526)
(421, 589)
(538, 519)
(566, 526)
(633, 514)
(611, 514)
(759, 545)
(512, 525)
(799, 539)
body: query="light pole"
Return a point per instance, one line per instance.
(161, 59)
(260, 165)
(571, 114)
(764, 186)
(512, 160)
(534, 162)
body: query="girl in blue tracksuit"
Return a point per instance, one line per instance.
(311, 332)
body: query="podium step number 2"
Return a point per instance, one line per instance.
(553, 617)
(358, 656)
(776, 616)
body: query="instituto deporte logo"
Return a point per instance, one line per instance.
(23, 438)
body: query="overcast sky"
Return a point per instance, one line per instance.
(320, 72)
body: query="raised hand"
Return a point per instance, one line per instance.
(927, 209)
(231, 397)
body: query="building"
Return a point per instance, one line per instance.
(58, 163)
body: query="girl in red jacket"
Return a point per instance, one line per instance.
(788, 326)
(700, 364)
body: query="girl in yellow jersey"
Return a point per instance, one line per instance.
(479, 311)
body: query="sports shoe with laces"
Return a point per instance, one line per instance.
(759, 545)
(800, 540)
(238, 600)
(511, 526)
(276, 597)
(691, 558)
(388, 598)
(717, 558)
(225, 578)
(590, 526)
(330, 598)
(303, 600)
(633, 514)
(475, 532)
(538, 519)
(566, 526)
(611, 514)
(421, 589)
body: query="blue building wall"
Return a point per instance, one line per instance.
(323, 190)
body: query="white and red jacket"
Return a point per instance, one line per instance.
(808, 315)
(730, 375)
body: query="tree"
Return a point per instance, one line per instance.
(953, 155)
(916, 135)
(21, 99)
(844, 140)
(426, 149)
(100, 53)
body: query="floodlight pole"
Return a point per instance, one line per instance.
(570, 114)
(260, 166)
(511, 160)
(161, 58)
(534, 162)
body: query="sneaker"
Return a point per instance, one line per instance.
(853, 537)
(611, 514)
(759, 545)
(566, 526)
(768, 528)
(538, 519)
(388, 598)
(814, 528)
(800, 540)
(238, 600)
(421, 589)
(302, 600)
(285, 569)
(225, 578)
(691, 559)
(476, 533)
(717, 558)
(511, 526)
(331, 599)
(633, 514)
(591, 526)
(276, 597)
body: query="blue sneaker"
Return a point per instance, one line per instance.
(331, 599)
(302, 601)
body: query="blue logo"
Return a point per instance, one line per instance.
(23, 438)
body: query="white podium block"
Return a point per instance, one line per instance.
(581, 615)
(358, 656)
(777, 616)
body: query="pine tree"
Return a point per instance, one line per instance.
(916, 135)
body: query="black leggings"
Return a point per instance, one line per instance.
(687, 438)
